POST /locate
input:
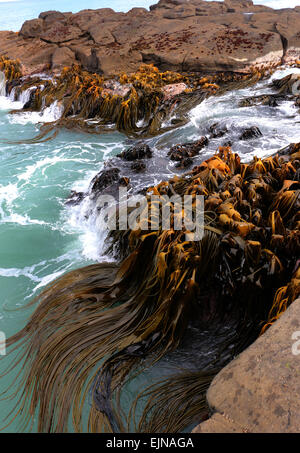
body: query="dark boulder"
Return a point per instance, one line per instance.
(184, 163)
(138, 167)
(107, 182)
(251, 132)
(217, 131)
(75, 198)
(136, 152)
(105, 179)
(179, 152)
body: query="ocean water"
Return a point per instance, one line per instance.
(42, 238)
(14, 12)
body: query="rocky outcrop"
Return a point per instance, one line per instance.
(259, 391)
(181, 35)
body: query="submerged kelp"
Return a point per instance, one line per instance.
(96, 326)
(146, 102)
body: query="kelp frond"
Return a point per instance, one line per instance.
(135, 104)
(96, 327)
(11, 68)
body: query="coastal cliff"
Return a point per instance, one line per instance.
(179, 35)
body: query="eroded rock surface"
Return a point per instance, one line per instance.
(180, 35)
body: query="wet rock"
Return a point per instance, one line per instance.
(30, 102)
(187, 150)
(250, 132)
(269, 99)
(138, 167)
(75, 198)
(259, 391)
(136, 152)
(292, 148)
(107, 182)
(105, 179)
(227, 143)
(185, 162)
(217, 131)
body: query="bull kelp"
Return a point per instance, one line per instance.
(145, 103)
(95, 328)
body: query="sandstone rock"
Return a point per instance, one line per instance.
(259, 391)
(218, 423)
(86, 57)
(52, 16)
(178, 35)
(62, 56)
(58, 33)
(173, 89)
(101, 35)
(32, 28)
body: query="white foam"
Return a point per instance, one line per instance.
(47, 279)
(85, 219)
(48, 115)
(44, 164)
(2, 84)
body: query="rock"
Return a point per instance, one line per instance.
(185, 162)
(217, 131)
(259, 391)
(52, 16)
(138, 167)
(266, 99)
(62, 56)
(75, 198)
(136, 152)
(173, 89)
(107, 182)
(32, 28)
(185, 35)
(250, 132)
(105, 179)
(187, 150)
(58, 33)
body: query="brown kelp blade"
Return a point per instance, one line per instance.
(97, 326)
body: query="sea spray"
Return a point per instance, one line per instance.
(2, 84)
